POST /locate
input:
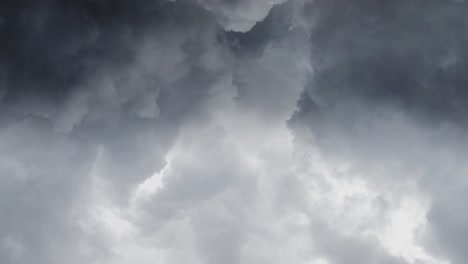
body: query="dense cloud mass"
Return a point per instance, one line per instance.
(233, 131)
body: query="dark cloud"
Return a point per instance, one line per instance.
(407, 55)
(388, 98)
(156, 131)
(253, 42)
(82, 78)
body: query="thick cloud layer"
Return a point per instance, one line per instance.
(214, 131)
(388, 99)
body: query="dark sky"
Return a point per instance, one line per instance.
(233, 131)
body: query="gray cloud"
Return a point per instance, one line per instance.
(393, 54)
(232, 131)
(83, 78)
(387, 97)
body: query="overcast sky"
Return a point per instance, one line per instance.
(233, 131)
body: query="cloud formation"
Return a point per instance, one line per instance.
(209, 131)
(387, 98)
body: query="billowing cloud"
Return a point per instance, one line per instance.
(214, 131)
(387, 101)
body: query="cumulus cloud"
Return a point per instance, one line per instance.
(209, 131)
(239, 15)
(387, 100)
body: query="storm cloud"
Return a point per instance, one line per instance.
(233, 131)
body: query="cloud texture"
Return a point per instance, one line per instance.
(233, 131)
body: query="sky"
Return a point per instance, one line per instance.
(233, 131)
